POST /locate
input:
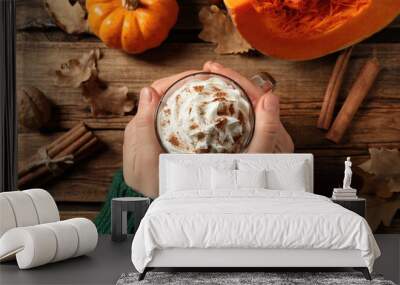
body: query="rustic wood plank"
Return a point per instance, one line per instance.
(88, 181)
(300, 85)
(41, 48)
(84, 210)
(65, 215)
(78, 206)
(31, 14)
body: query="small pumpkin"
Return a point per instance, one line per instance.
(132, 25)
(306, 29)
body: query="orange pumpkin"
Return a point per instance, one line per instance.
(306, 29)
(132, 25)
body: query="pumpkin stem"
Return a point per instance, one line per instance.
(130, 4)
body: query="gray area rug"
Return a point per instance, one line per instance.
(243, 278)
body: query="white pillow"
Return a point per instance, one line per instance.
(227, 179)
(291, 176)
(223, 179)
(292, 179)
(251, 178)
(183, 175)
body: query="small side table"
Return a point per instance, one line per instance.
(357, 205)
(119, 209)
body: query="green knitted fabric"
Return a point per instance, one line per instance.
(118, 188)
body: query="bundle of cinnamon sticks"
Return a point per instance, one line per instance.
(355, 97)
(53, 159)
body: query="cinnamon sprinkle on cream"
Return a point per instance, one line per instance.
(221, 122)
(198, 88)
(241, 118)
(220, 94)
(231, 109)
(194, 126)
(201, 136)
(174, 140)
(222, 111)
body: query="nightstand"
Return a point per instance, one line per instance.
(119, 209)
(356, 205)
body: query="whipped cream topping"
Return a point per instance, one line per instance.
(205, 116)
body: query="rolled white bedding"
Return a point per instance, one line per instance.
(26, 208)
(31, 231)
(40, 244)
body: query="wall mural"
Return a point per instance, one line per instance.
(88, 90)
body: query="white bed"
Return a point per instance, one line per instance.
(280, 225)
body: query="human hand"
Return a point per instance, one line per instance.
(141, 148)
(270, 136)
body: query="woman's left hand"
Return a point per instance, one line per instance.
(141, 148)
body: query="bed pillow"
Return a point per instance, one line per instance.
(251, 178)
(226, 179)
(293, 179)
(281, 176)
(190, 176)
(181, 177)
(223, 179)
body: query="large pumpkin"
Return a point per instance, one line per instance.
(132, 25)
(306, 29)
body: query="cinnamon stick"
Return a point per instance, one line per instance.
(87, 149)
(65, 135)
(60, 144)
(42, 170)
(76, 145)
(357, 93)
(82, 153)
(333, 88)
(73, 136)
(76, 142)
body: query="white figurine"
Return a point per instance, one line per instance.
(347, 174)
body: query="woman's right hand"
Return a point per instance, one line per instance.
(141, 148)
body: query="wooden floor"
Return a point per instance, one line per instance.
(41, 48)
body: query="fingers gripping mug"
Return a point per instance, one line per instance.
(207, 113)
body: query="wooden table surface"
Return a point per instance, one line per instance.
(41, 48)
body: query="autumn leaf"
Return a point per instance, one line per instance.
(102, 97)
(106, 99)
(381, 187)
(69, 15)
(384, 168)
(218, 28)
(383, 162)
(380, 211)
(76, 71)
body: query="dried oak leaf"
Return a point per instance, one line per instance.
(381, 176)
(380, 211)
(102, 98)
(105, 99)
(218, 28)
(76, 71)
(384, 165)
(69, 15)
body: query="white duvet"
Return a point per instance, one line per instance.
(250, 219)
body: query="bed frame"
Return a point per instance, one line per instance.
(242, 259)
